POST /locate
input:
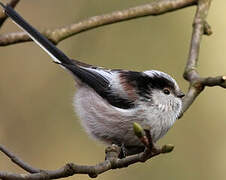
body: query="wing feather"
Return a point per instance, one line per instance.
(97, 78)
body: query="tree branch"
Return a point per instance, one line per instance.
(57, 35)
(18, 161)
(3, 16)
(111, 162)
(197, 83)
(198, 30)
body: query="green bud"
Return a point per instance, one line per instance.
(167, 148)
(138, 130)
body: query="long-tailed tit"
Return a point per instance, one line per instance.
(109, 101)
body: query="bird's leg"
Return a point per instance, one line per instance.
(152, 146)
(123, 151)
(129, 150)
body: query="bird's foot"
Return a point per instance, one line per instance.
(123, 151)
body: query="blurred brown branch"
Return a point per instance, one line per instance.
(197, 83)
(111, 162)
(154, 8)
(3, 16)
(18, 161)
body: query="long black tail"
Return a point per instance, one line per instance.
(56, 54)
(94, 80)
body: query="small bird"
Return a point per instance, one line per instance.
(108, 102)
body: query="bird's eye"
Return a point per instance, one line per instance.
(166, 91)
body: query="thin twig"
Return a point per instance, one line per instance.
(214, 81)
(18, 161)
(190, 73)
(111, 162)
(57, 35)
(3, 16)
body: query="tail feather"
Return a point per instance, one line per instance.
(56, 54)
(86, 73)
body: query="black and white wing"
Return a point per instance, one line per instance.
(101, 80)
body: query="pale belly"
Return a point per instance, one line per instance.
(112, 125)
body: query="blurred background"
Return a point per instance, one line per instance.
(37, 121)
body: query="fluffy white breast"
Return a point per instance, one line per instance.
(161, 114)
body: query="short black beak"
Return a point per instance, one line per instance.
(180, 94)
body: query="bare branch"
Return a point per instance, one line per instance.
(214, 81)
(154, 8)
(198, 85)
(198, 30)
(3, 16)
(111, 162)
(18, 161)
(200, 27)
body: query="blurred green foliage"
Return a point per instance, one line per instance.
(36, 112)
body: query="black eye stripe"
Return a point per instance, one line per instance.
(144, 84)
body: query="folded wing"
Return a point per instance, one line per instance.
(98, 79)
